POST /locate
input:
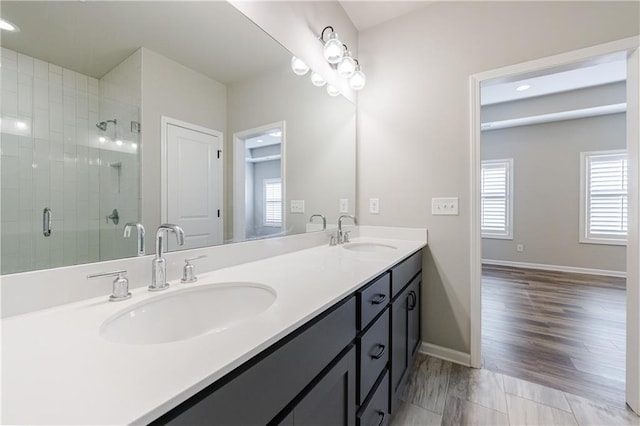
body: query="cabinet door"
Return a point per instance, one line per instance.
(399, 343)
(332, 401)
(413, 320)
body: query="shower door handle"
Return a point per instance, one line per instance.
(46, 222)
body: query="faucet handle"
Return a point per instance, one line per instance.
(120, 289)
(333, 239)
(345, 239)
(188, 272)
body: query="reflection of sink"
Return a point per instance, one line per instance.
(188, 313)
(369, 247)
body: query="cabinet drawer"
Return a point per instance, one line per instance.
(402, 273)
(373, 299)
(376, 410)
(374, 354)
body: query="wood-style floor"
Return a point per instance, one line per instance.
(562, 330)
(441, 393)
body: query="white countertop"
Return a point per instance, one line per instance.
(56, 369)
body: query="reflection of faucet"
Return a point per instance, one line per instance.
(340, 234)
(127, 233)
(324, 220)
(159, 264)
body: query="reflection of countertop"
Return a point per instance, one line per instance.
(56, 369)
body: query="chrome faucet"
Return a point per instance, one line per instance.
(127, 234)
(159, 264)
(341, 238)
(324, 220)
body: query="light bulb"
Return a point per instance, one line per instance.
(358, 80)
(317, 80)
(8, 26)
(333, 49)
(298, 66)
(347, 66)
(332, 91)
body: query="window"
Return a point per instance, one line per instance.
(603, 197)
(497, 201)
(272, 202)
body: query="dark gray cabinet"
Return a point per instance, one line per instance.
(405, 322)
(332, 400)
(344, 367)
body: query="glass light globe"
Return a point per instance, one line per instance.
(347, 66)
(332, 91)
(358, 80)
(298, 66)
(317, 80)
(333, 49)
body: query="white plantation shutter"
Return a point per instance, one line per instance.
(272, 202)
(606, 196)
(496, 206)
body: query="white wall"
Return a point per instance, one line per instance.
(413, 121)
(173, 90)
(319, 154)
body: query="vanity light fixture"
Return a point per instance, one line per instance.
(332, 90)
(317, 80)
(347, 66)
(8, 26)
(523, 88)
(333, 48)
(358, 79)
(298, 66)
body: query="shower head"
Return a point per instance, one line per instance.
(103, 124)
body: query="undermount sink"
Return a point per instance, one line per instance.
(369, 247)
(188, 313)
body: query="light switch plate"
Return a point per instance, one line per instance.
(374, 205)
(344, 205)
(297, 206)
(444, 206)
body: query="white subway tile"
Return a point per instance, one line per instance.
(26, 164)
(10, 204)
(69, 109)
(69, 134)
(26, 195)
(10, 174)
(40, 70)
(82, 105)
(57, 176)
(25, 64)
(82, 132)
(9, 104)
(40, 94)
(10, 145)
(55, 89)
(68, 78)
(41, 124)
(9, 59)
(25, 100)
(56, 121)
(55, 69)
(9, 80)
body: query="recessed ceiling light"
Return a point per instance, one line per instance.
(523, 88)
(8, 26)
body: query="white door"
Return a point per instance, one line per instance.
(194, 185)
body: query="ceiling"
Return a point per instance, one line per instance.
(612, 69)
(367, 14)
(92, 37)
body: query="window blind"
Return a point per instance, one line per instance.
(273, 202)
(607, 205)
(495, 198)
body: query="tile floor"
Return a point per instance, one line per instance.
(442, 393)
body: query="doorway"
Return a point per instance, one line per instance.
(192, 182)
(532, 69)
(258, 182)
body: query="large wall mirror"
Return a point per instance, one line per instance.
(154, 112)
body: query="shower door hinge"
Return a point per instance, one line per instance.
(136, 127)
(219, 152)
(218, 212)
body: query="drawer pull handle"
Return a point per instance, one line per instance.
(413, 302)
(381, 350)
(379, 299)
(381, 415)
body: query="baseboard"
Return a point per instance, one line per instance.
(447, 354)
(559, 268)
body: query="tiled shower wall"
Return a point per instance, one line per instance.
(52, 157)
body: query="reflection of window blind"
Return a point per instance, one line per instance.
(496, 193)
(272, 202)
(606, 193)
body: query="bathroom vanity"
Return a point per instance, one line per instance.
(336, 340)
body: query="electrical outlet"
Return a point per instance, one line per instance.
(520, 248)
(344, 205)
(374, 205)
(444, 206)
(297, 206)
